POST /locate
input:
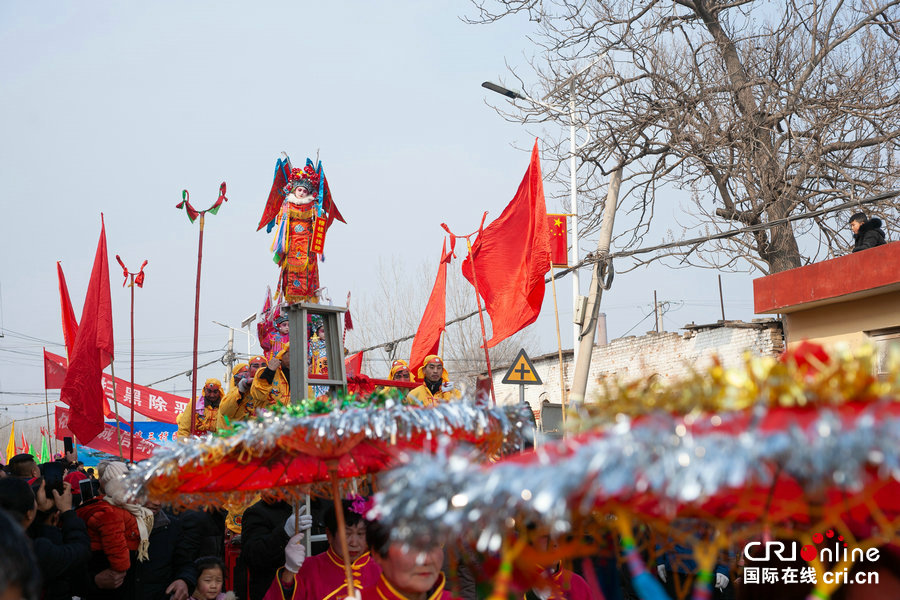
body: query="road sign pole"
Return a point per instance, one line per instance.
(521, 393)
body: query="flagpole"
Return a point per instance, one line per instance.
(46, 396)
(193, 214)
(562, 380)
(131, 450)
(487, 356)
(112, 371)
(197, 324)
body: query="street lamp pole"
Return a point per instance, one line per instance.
(576, 288)
(573, 187)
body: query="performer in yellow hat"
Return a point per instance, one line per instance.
(436, 386)
(207, 411)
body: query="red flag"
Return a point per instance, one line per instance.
(26, 449)
(511, 257)
(54, 371)
(559, 245)
(353, 364)
(83, 390)
(428, 335)
(69, 324)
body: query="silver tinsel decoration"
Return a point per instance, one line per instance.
(319, 436)
(657, 467)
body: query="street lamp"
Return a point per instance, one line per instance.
(573, 202)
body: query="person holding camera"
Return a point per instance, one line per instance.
(60, 539)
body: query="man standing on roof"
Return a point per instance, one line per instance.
(436, 386)
(207, 411)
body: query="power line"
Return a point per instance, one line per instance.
(592, 257)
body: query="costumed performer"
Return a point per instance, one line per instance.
(317, 357)
(322, 576)
(557, 583)
(237, 405)
(207, 411)
(271, 384)
(274, 338)
(406, 573)
(436, 385)
(300, 205)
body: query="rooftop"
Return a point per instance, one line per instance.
(866, 273)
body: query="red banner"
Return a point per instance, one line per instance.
(559, 243)
(151, 403)
(106, 440)
(318, 238)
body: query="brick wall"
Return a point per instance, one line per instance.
(667, 354)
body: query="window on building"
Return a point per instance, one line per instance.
(885, 341)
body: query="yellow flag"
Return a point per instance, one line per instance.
(11, 444)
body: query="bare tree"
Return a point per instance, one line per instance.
(394, 310)
(760, 110)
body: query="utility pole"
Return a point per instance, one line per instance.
(229, 358)
(586, 344)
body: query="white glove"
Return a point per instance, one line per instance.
(303, 523)
(661, 569)
(244, 385)
(294, 553)
(721, 581)
(448, 386)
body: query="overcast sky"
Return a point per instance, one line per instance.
(116, 107)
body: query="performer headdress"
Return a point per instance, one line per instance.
(307, 178)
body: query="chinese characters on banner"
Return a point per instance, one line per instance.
(106, 440)
(151, 403)
(318, 238)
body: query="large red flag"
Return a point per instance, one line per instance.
(83, 390)
(69, 324)
(428, 335)
(511, 256)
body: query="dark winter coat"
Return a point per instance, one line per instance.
(869, 235)
(62, 554)
(263, 540)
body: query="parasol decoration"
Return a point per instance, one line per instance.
(819, 448)
(284, 449)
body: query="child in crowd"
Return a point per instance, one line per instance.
(210, 580)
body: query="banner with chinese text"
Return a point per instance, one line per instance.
(159, 406)
(106, 440)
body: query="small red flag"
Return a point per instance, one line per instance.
(54, 371)
(83, 389)
(428, 335)
(69, 324)
(511, 257)
(353, 364)
(559, 246)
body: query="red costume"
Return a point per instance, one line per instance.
(322, 578)
(383, 590)
(569, 586)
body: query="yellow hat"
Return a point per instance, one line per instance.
(433, 358)
(238, 367)
(398, 365)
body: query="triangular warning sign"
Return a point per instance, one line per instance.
(522, 371)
